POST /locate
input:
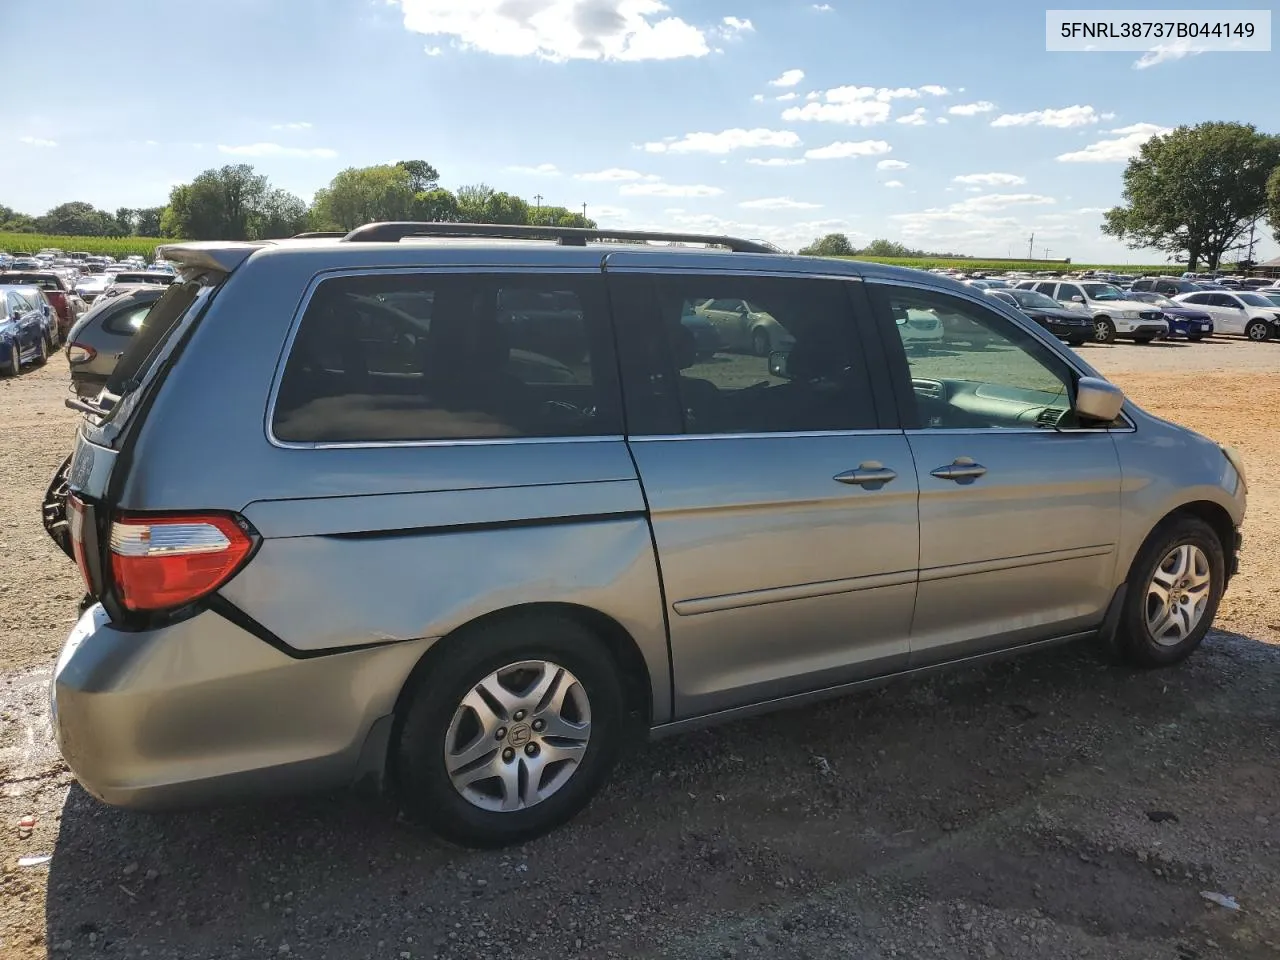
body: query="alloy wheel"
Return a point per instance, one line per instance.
(518, 736)
(1178, 594)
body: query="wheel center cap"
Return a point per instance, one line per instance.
(519, 735)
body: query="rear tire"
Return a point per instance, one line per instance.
(1181, 552)
(1259, 331)
(1104, 331)
(441, 710)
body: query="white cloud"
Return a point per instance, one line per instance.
(432, 51)
(942, 120)
(1076, 116)
(735, 25)
(787, 97)
(559, 30)
(605, 212)
(813, 95)
(37, 142)
(1117, 149)
(616, 175)
(998, 201)
(862, 113)
(823, 7)
(1163, 53)
(541, 170)
(789, 78)
(788, 235)
(276, 150)
(915, 118)
(933, 90)
(725, 141)
(758, 98)
(669, 190)
(843, 149)
(301, 125)
(894, 183)
(990, 179)
(971, 109)
(1108, 116)
(779, 203)
(775, 161)
(892, 165)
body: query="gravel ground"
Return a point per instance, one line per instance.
(1053, 806)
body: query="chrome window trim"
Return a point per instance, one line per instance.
(785, 435)
(341, 272)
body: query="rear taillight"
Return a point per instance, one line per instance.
(158, 563)
(59, 300)
(75, 518)
(78, 353)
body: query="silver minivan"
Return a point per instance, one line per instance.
(347, 509)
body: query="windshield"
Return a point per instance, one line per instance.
(1157, 299)
(1254, 299)
(1273, 297)
(1102, 291)
(1030, 298)
(31, 280)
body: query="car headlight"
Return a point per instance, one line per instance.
(1127, 314)
(1234, 458)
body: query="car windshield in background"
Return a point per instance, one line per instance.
(1030, 298)
(31, 280)
(1254, 299)
(1102, 291)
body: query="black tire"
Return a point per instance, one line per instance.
(43, 356)
(427, 793)
(1104, 331)
(1196, 338)
(760, 343)
(1134, 638)
(1259, 331)
(1078, 341)
(13, 364)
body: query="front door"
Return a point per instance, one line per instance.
(784, 518)
(1019, 510)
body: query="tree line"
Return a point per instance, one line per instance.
(235, 202)
(839, 245)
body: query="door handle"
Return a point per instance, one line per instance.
(961, 470)
(871, 475)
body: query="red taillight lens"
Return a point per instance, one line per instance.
(59, 300)
(162, 562)
(75, 518)
(78, 353)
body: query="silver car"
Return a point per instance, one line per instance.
(342, 515)
(99, 338)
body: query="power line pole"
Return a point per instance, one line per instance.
(584, 211)
(537, 198)
(1031, 247)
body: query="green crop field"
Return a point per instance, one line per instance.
(101, 246)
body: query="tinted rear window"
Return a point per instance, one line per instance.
(145, 347)
(441, 357)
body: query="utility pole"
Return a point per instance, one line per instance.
(584, 211)
(537, 198)
(1046, 253)
(1031, 247)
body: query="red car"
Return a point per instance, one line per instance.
(65, 302)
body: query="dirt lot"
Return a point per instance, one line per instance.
(1055, 806)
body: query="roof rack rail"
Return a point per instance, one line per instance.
(319, 234)
(565, 236)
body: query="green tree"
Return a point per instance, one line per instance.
(219, 204)
(473, 202)
(11, 221)
(125, 219)
(77, 218)
(559, 217)
(281, 214)
(1273, 202)
(360, 195)
(888, 248)
(832, 245)
(435, 206)
(506, 208)
(147, 223)
(423, 177)
(1193, 192)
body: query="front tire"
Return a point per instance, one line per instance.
(760, 344)
(1104, 331)
(43, 356)
(1259, 331)
(1174, 588)
(14, 366)
(510, 732)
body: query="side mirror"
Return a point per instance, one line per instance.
(778, 365)
(1077, 299)
(1098, 400)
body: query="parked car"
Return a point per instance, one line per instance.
(742, 327)
(477, 585)
(124, 279)
(1255, 283)
(99, 338)
(60, 294)
(92, 286)
(1184, 320)
(1069, 325)
(24, 335)
(921, 329)
(1167, 286)
(703, 340)
(1113, 315)
(1245, 314)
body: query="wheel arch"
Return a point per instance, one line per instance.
(1214, 514)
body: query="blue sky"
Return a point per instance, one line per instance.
(944, 126)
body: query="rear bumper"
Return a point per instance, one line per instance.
(202, 711)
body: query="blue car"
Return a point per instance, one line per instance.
(24, 336)
(1184, 319)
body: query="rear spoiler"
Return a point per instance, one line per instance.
(221, 256)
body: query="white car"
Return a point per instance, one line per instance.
(91, 286)
(1114, 315)
(919, 328)
(1243, 313)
